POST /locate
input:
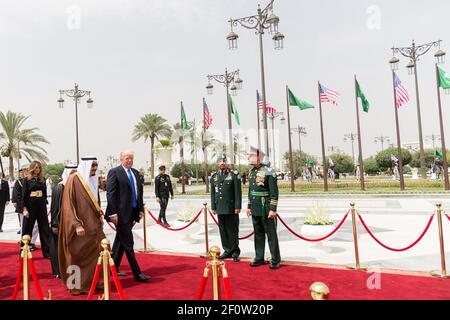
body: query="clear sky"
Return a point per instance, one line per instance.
(145, 56)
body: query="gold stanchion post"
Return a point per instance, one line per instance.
(25, 255)
(215, 263)
(144, 221)
(443, 273)
(205, 213)
(355, 240)
(105, 257)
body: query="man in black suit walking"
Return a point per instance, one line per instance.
(124, 192)
(4, 198)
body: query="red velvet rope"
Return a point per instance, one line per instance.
(201, 289)
(117, 283)
(393, 249)
(35, 279)
(172, 229)
(109, 224)
(94, 281)
(448, 217)
(227, 288)
(19, 276)
(217, 223)
(314, 240)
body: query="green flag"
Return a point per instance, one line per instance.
(184, 123)
(444, 79)
(364, 101)
(439, 154)
(294, 101)
(235, 112)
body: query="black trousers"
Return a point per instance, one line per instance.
(263, 226)
(124, 242)
(54, 253)
(44, 230)
(229, 234)
(2, 213)
(162, 212)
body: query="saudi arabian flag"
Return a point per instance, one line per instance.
(235, 112)
(364, 101)
(439, 154)
(444, 79)
(294, 101)
(184, 123)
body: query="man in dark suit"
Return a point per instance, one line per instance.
(124, 193)
(4, 198)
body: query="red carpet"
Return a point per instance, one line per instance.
(178, 278)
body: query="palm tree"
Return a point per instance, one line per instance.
(16, 142)
(151, 126)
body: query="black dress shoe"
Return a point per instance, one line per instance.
(274, 265)
(236, 259)
(224, 256)
(256, 263)
(121, 274)
(142, 277)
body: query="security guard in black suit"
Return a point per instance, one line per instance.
(163, 189)
(226, 202)
(262, 206)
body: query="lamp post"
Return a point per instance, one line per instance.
(351, 137)
(382, 139)
(413, 53)
(227, 79)
(76, 94)
(333, 149)
(301, 131)
(263, 20)
(433, 138)
(439, 55)
(272, 116)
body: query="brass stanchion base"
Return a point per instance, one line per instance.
(146, 250)
(353, 267)
(439, 274)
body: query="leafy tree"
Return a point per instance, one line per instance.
(383, 158)
(343, 163)
(299, 158)
(54, 172)
(151, 127)
(16, 141)
(371, 166)
(429, 158)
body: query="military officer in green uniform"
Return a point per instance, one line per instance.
(226, 202)
(262, 206)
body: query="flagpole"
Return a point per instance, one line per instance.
(399, 146)
(361, 161)
(291, 163)
(259, 121)
(205, 156)
(324, 162)
(441, 123)
(230, 128)
(183, 188)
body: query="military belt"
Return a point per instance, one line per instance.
(36, 194)
(259, 193)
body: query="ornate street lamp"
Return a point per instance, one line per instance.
(76, 94)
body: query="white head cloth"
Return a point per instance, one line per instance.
(84, 169)
(66, 172)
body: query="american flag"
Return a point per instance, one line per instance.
(328, 95)
(401, 95)
(206, 115)
(269, 107)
